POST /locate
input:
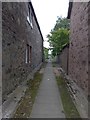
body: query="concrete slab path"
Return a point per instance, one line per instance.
(48, 102)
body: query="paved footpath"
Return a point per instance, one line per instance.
(48, 102)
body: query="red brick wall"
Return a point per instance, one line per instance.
(78, 51)
(89, 48)
(16, 34)
(63, 59)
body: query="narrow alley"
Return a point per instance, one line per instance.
(44, 51)
(48, 102)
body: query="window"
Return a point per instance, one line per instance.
(30, 17)
(28, 53)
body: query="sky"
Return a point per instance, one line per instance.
(47, 12)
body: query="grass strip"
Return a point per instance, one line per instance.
(54, 64)
(25, 105)
(68, 105)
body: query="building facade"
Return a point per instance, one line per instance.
(22, 44)
(78, 49)
(63, 58)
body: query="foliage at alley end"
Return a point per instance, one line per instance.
(27, 72)
(59, 35)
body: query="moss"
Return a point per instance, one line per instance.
(68, 105)
(25, 106)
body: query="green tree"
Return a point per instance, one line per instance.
(62, 23)
(59, 36)
(46, 53)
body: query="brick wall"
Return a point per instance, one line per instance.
(63, 59)
(78, 51)
(89, 48)
(16, 34)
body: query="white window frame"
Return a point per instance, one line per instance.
(30, 17)
(28, 54)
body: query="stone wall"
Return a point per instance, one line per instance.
(78, 51)
(0, 61)
(89, 49)
(16, 34)
(63, 59)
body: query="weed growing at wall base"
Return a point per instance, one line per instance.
(68, 105)
(25, 106)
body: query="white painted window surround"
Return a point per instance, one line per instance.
(28, 54)
(30, 17)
